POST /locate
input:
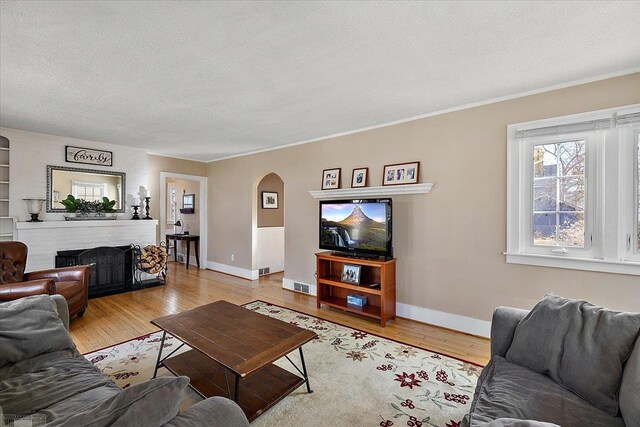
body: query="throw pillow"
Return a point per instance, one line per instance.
(149, 404)
(30, 326)
(580, 346)
(629, 396)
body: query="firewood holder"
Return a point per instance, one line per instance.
(139, 281)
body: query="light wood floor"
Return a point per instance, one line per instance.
(113, 319)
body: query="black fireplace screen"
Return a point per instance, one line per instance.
(111, 267)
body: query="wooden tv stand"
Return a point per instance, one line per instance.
(381, 300)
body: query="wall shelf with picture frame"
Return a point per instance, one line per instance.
(380, 191)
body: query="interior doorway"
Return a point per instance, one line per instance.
(183, 209)
(269, 234)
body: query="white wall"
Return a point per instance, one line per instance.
(31, 153)
(450, 242)
(270, 248)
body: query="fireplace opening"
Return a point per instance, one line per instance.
(112, 269)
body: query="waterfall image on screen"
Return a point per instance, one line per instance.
(356, 226)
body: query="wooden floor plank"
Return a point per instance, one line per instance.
(116, 318)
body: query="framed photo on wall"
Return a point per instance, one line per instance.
(188, 204)
(359, 177)
(351, 274)
(331, 179)
(401, 173)
(269, 200)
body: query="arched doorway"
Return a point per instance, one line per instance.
(269, 232)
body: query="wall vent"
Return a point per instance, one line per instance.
(263, 271)
(300, 287)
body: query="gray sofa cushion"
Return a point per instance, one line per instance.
(148, 404)
(506, 390)
(580, 346)
(630, 389)
(46, 380)
(504, 322)
(512, 422)
(30, 326)
(217, 411)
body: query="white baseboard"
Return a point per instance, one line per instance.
(288, 284)
(465, 324)
(456, 322)
(273, 268)
(192, 259)
(234, 271)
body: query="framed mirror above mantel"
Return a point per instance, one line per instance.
(87, 184)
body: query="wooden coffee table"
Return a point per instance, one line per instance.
(234, 349)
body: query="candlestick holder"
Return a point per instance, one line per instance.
(135, 212)
(146, 207)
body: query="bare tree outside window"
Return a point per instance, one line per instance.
(559, 194)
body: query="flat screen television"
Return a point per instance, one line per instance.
(358, 227)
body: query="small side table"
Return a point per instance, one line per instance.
(188, 238)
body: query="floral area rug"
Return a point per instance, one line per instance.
(359, 379)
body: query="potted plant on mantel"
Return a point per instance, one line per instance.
(107, 206)
(85, 210)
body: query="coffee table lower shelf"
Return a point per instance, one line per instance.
(258, 391)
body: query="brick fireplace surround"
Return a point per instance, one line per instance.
(45, 239)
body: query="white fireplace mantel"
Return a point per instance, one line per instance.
(45, 239)
(26, 225)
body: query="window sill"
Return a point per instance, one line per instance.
(587, 264)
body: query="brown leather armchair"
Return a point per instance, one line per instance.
(70, 282)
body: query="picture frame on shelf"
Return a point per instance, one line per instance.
(331, 179)
(359, 177)
(351, 274)
(401, 173)
(269, 200)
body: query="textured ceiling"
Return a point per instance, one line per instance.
(207, 80)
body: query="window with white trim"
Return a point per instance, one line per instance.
(171, 206)
(634, 239)
(637, 175)
(574, 191)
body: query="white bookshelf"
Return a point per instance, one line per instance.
(7, 223)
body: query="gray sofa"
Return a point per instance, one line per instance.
(510, 394)
(43, 376)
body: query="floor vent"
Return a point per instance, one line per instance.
(263, 271)
(300, 287)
